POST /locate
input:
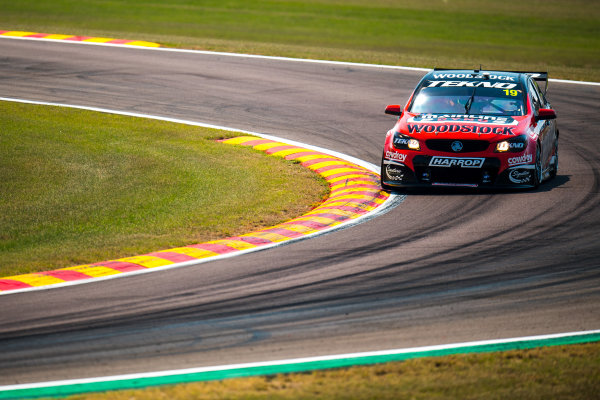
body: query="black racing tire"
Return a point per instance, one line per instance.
(554, 167)
(381, 174)
(537, 172)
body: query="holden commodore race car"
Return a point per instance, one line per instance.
(472, 128)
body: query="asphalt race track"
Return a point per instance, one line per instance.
(442, 267)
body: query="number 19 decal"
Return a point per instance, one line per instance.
(512, 93)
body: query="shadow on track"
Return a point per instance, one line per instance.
(547, 186)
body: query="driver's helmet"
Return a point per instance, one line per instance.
(483, 105)
(446, 104)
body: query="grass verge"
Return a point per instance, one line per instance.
(80, 187)
(561, 36)
(561, 372)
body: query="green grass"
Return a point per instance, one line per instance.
(562, 36)
(562, 372)
(80, 187)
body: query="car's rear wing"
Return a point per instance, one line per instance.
(539, 77)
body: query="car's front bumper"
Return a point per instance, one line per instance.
(485, 174)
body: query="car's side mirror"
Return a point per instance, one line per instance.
(393, 109)
(545, 114)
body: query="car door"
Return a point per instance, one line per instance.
(552, 133)
(544, 128)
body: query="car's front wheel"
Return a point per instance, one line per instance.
(381, 175)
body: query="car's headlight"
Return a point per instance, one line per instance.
(514, 145)
(404, 142)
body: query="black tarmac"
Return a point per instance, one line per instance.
(445, 266)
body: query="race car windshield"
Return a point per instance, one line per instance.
(469, 100)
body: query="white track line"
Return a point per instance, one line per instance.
(318, 359)
(305, 60)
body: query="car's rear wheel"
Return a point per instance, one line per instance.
(537, 173)
(554, 167)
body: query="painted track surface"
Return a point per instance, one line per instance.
(74, 38)
(443, 267)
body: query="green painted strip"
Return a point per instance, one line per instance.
(66, 388)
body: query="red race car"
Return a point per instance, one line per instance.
(473, 128)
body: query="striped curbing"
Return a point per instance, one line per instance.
(75, 38)
(354, 192)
